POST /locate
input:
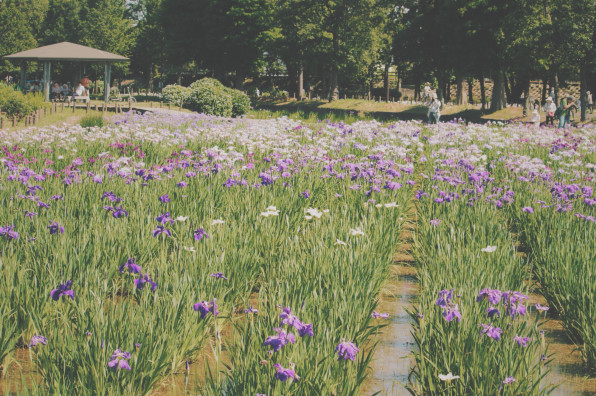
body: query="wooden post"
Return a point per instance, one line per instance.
(151, 104)
(160, 104)
(63, 107)
(74, 105)
(129, 106)
(1, 122)
(181, 102)
(14, 121)
(170, 106)
(88, 107)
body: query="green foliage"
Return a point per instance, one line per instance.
(175, 94)
(240, 102)
(15, 103)
(92, 120)
(210, 96)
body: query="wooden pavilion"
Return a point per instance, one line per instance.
(67, 52)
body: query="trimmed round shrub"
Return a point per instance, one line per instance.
(175, 94)
(240, 102)
(209, 96)
(206, 82)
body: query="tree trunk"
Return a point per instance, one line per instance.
(498, 98)
(398, 81)
(386, 81)
(460, 97)
(333, 88)
(544, 88)
(582, 91)
(556, 87)
(441, 88)
(417, 90)
(301, 80)
(447, 91)
(526, 96)
(482, 92)
(470, 90)
(508, 98)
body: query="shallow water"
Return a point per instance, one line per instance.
(392, 361)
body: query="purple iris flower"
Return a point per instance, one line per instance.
(435, 222)
(218, 275)
(37, 339)
(44, 205)
(119, 360)
(8, 232)
(204, 308)
(119, 212)
(492, 332)
(62, 291)
(143, 280)
(161, 230)
(493, 295)
(492, 311)
(30, 214)
(164, 218)
(54, 197)
(288, 318)
(305, 194)
(283, 374)
(182, 184)
(131, 266)
(251, 310)
(541, 308)
(280, 340)
(109, 195)
(508, 380)
(450, 313)
(200, 234)
(377, 315)
(164, 198)
(445, 297)
(521, 341)
(346, 350)
(304, 330)
(528, 209)
(55, 228)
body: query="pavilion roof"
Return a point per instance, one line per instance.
(66, 51)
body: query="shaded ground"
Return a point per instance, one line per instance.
(402, 111)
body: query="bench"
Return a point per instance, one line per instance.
(85, 98)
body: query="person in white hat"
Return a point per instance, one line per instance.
(549, 108)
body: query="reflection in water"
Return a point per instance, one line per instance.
(391, 365)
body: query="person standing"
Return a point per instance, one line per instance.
(564, 110)
(434, 109)
(549, 108)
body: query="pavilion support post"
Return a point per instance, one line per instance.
(106, 84)
(47, 71)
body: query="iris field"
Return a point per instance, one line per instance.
(255, 252)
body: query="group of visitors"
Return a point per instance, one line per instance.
(563, 113)
(66, 92)
(567, 107)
